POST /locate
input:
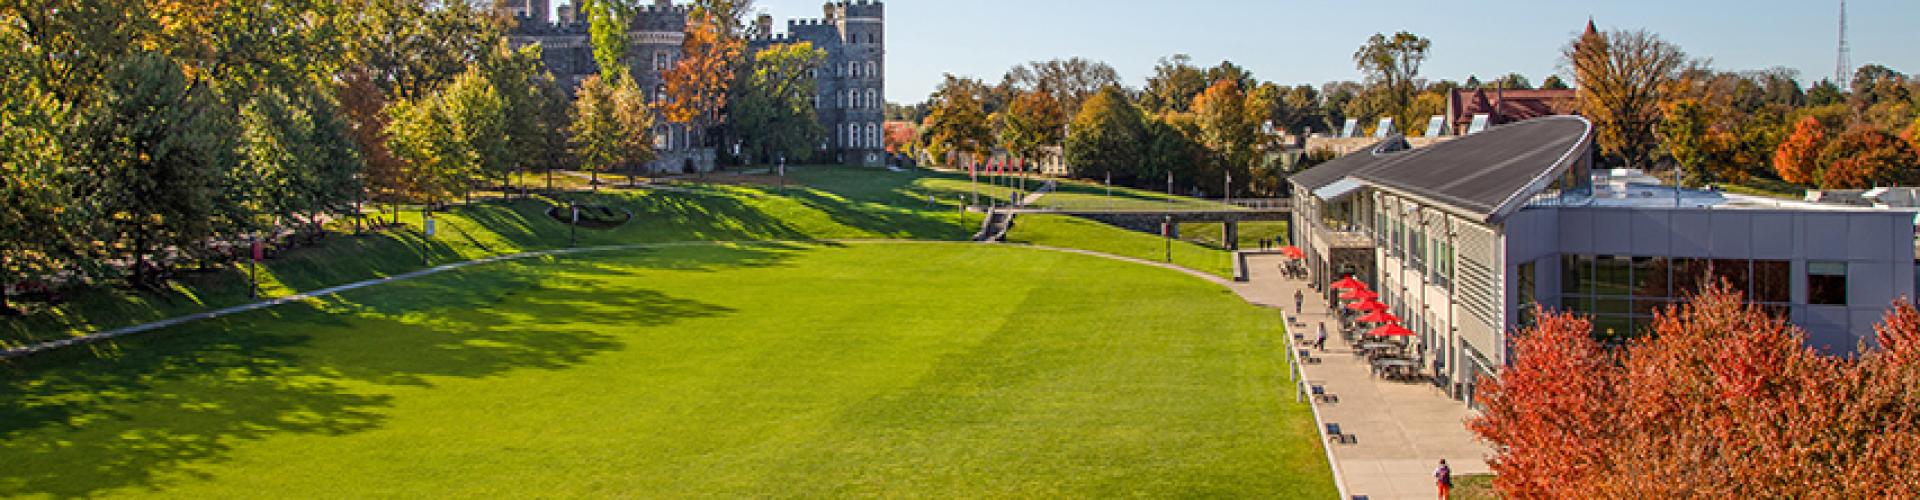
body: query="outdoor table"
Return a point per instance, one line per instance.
(1395, 367)
(1371, 346)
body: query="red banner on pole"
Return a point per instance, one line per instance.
(258, 253)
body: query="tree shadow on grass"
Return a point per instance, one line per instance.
(72, 425)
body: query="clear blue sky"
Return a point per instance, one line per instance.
(1313, 41)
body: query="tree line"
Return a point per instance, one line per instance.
(1654, 108)
(140, 134)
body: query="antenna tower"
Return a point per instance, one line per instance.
(1842, 68)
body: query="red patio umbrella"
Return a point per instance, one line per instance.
(1368, 305)
(1379, 317)
(1359, 294)
(1348, 283)
(1391, 330)
(1293, 252)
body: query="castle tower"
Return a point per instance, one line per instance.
(859, 60)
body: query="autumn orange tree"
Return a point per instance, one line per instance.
(1798, 158)
(711, 52)
(1719, 399)
(1864, 157)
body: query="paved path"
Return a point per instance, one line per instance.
(1402, 429)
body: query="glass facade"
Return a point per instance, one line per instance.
(1623, 293)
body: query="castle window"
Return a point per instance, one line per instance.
(853, 69)
(873, 135)
(873, 99)
(853, 98)
(872, 69)
(661, 60)
(660, 93)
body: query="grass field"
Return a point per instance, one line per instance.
(812, 370)
(1074, 232)
(834, 203)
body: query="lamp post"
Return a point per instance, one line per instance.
(426, 234)
(1166, 231)
(573, 227)
(253, 269)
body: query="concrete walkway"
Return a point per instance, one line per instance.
(1402, 429)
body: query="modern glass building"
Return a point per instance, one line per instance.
(1463, 238)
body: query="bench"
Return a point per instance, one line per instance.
(1320, 394)
(1334, 435)
(1306, 356)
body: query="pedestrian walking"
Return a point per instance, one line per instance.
(1320, 344)
(1443, 476)
(1299, 302)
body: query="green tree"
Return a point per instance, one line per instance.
(529, 97)
(149, 155)
(1392, 69)
(1553, 82)
(1106, 137)
(1174, 83)
(1229, 126)
(36, 216)
(479, 116)
(612, 126)
(957, 122)
(772, 112)
(1825, 93)
(1512, 81)
(1686, 131)
(607, 27)
(1032, 120)
(438, 162)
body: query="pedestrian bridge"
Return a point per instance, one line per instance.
(1149, 219)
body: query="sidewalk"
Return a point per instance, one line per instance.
(1402, 429)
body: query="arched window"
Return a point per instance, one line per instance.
(873, 135)
(853, 98)
(853, 69)
(873, 99)
(873, 70)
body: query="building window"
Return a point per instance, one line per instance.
(873, 99)
(661, 60)
(853, 69)
(1827, 283)
(660, 93)
(873, 135)
(853, 98)
(873, 70)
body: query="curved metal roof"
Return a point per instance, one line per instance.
(1486, 175)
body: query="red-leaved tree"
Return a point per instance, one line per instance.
(1718, 399)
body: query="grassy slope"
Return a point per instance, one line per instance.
(1075, 232)
(692, 372)
(844, 203)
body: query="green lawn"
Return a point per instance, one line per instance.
(834, 203)
(816, 370)
(1074, 232)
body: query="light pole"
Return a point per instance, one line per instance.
(253, 269)
(1166, 230)
(426, 234)
(1169, 187)
(573, 227)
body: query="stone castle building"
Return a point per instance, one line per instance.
(851, 83)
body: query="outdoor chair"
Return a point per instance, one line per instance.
(1320, 394)
(1334, 434)
(1306, 356)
